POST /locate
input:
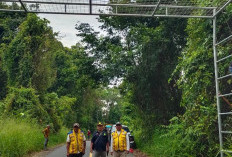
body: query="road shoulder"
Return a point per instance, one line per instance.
(43, 153)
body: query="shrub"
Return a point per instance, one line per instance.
(20, 137)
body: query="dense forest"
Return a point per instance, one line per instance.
(155, 75)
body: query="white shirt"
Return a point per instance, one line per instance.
(127, 142)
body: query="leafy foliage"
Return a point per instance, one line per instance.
(9, 23)
(43, 80)
(146, 59)
(162, 71)
(196, 130)
(29, 57)
(21, 137)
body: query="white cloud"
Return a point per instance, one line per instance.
(65, 24)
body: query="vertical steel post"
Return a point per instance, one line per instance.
(216, 82)
(90, 7)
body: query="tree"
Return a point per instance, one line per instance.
(9, 23)
(145, 56)
(29, 57)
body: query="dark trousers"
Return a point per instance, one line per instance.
(76, 155)
(99, 153)
(45, 143)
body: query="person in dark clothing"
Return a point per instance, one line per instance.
(99, 142)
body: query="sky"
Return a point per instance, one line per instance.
(65, 24)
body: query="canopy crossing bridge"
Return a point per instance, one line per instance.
(146, 8)
(143, 8)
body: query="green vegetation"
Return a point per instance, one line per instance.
(20, 137)
(158, 145)
(168, 80)
(42, 82)
(162, 71)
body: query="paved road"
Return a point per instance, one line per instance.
(61, 151)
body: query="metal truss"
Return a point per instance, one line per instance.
(223, 131)
(145, 8)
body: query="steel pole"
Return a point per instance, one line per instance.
(223, 7)
(216, 82)
(157, 6)
(23, 5)
(90, 7)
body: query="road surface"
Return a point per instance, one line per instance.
(61, 152)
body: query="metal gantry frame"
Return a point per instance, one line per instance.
(144, 8)
(217, 79)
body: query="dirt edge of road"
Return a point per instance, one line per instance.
(138, 153)
(43, 153)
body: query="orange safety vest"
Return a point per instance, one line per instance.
(76, 142)
(119, 141)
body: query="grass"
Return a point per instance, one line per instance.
(160, 145)
(58, 138)
(157, 145)
(20, 137)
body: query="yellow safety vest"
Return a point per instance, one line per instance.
(119, 141)
(76, 142)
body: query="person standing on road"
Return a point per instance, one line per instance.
(76, 142)
(99, 142)
(120, 144)
(89, 133)
(46, 133)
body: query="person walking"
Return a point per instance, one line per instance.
(99, 142)
(46, 133)
(89, 133)
(76, 142)
(120, 144)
